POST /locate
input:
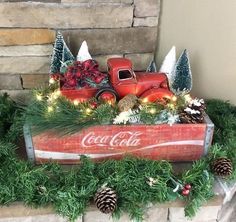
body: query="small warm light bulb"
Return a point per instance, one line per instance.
(58, 93)
(174, 98)
(52, 81)
(152, 111)
(50, 109)
(145, 100)
(187, 98)
(172, 106)
(76, 102)
(88, 110)
(109, 102)
(39, 97)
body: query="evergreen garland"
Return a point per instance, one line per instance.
(70, 191)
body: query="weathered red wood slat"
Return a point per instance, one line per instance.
(179, 142)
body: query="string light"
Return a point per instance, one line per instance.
(187, 98)
(152, 111)
(50, 109)
(76, 102)
(39, 97)
(52, 81)
(172, 106)
(174, 98)
(145, 100)
(88, 110)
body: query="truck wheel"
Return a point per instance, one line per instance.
(107, 94)
(156, 95)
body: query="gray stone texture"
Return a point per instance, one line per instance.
(44, 1)
(153, 214)
(26, 36)
(205, 214)
(140, 61)
(102, 61)
(30, 50)
(147, 21)
(31, 81)
(21, 96)
(39, 15)
(38, 218)
(113, 41)
(10, 82)
(27, 65)
(97, 1)
(146, 8)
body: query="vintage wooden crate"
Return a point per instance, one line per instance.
(179, 142)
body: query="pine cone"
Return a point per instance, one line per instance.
(106, 200)
(194, 112)
(222, 167)
(128, 102)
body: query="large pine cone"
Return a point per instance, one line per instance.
(222, 167)
(106, 200)
(194, 112)
(187, 117)
(128, 102)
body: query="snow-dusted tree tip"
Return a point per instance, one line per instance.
(169, 62)
(83, 53)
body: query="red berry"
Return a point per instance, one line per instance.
(72, 82)
(188, 186)
(185, 192)
(78, 74)
(94, 105)
(98, 79)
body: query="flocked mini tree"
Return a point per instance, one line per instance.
(181, 77)
(61, 54)
(169, 62)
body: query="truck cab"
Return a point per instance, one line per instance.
(142, 84)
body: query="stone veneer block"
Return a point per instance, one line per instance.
(146, 8)
(102, 61)
(21, 96)
(29, 50)
(26, 36)
(113, 41)
(147, 21)
(97, 1)
(44, 1)
(205, 214)
(53, 15)
(153, 214)
(39, 218)
(24, 65)
(140, 61)
(31, 81)
(10, 82)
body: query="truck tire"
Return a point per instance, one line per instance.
(110, 93)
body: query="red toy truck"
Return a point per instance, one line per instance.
(122, 81)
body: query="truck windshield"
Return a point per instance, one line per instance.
(125, 74)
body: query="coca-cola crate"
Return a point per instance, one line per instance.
(179, 142)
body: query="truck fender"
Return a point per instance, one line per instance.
(154, 94)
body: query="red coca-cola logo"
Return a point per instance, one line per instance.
(120, 139)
